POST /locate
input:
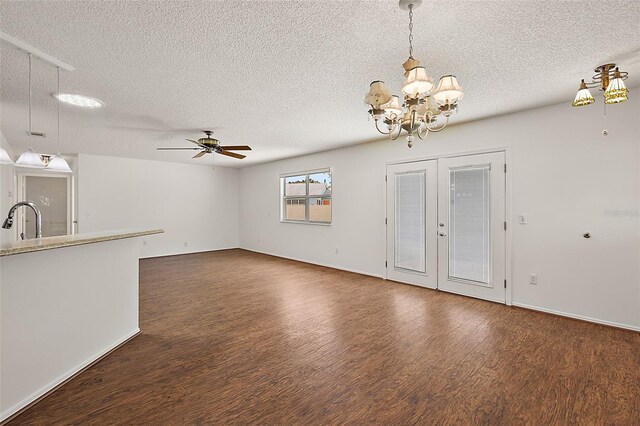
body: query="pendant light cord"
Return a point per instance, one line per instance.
(58, 102)
(30, 132)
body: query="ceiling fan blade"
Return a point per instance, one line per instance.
(175, 149)
(174, 130)
(231, 154)
(236, 147)
(200, 154)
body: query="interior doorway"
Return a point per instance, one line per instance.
(52, 195)
(446, 224)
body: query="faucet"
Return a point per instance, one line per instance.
(8, 222)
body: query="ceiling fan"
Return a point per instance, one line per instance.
(209, 145)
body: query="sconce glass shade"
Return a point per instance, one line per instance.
(58, 164)
(30, 159)
(378, 95)
(393, 108)
(583, 97)
(449, 91)
(418, 83)
(4, 157)
(616, 90)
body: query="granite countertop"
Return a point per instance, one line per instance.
(48, 243)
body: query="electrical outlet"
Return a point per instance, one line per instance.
(144, 242)
(533, 279)
(337, 251)
(522, 219)
(185, 244)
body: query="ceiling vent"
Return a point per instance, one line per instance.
(37, 134)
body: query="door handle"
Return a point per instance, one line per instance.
(442, 234)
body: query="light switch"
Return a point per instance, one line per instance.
(522, 219)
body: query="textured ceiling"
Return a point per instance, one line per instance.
(289, 77)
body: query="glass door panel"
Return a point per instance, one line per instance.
(469, 248)
(50, 195)
(410, 236)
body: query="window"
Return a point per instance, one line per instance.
(306, 197)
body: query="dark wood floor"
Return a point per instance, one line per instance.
(235, 337)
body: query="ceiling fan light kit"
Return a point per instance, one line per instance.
(423, 108)
(608, 79)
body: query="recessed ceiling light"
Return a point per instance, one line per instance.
(78, 100)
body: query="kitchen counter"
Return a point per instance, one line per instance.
(47, 243)
(65, 302)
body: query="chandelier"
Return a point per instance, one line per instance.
(610, 80)
(423, 109)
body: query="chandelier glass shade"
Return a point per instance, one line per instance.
(30, 160)
(616, 90)
(424, 108)
(583, 97)
(610, 80)
(58, 164)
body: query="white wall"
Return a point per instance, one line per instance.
(196, 205)
(566, 176)
(7, 190)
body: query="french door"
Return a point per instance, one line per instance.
(446, 224)
(411, 223)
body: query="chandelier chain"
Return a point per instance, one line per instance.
(411, 30)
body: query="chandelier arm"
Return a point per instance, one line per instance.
(438, 129)
(413, 120)
(378, 129)
(393, 138)
(426, 133)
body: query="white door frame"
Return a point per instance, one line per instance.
(20, 192)
(508, 206)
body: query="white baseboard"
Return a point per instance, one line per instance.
(326, 265)
(62, 378)
(181, 253)
(578, 317)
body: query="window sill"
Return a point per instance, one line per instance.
(299, 222)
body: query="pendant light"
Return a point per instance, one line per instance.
(5, 158)
(29, 158)
(57, 163)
